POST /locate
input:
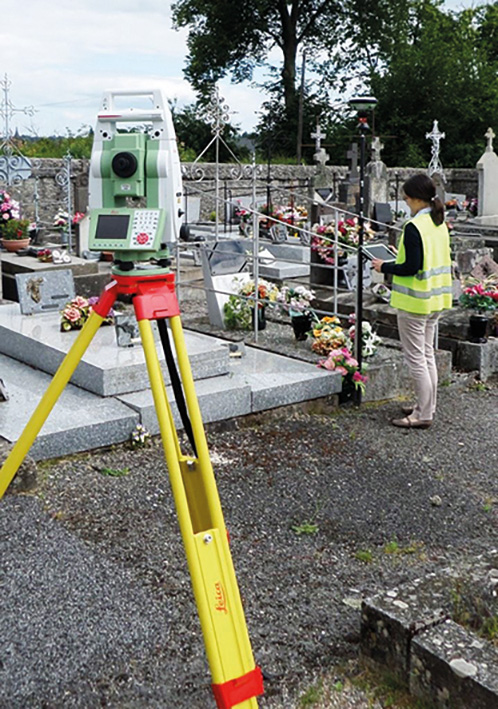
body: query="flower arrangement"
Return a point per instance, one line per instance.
(77, 312)
(9, 208)
(77, 217)
(140, 437)
(45, 256)
(238, 311)
(266, 290)
(61, 219)
(328, 335)
(370, 340)
(16, 229)
(341, 360)
(481, 296)
(347, 233)
(295, 301)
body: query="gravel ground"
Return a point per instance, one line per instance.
(96, 607)
(360, 482)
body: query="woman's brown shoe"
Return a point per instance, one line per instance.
(408, 423)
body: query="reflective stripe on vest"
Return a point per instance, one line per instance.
(430, 289)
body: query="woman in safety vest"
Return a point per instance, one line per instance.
(421, 289)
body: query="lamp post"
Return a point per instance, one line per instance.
(361, 104)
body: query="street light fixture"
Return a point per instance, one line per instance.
(361, 104)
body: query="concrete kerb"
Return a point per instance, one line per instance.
(409, 632)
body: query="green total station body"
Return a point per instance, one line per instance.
(135, 182)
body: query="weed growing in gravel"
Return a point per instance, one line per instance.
(305, 528)
(115, 472)
(311, 696)
(393, 547)
(477, 385)
(364, 555)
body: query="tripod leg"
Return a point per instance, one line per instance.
(48, 401)
(236, 679)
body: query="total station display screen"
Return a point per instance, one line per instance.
(112, 226)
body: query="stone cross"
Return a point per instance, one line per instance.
(352, 154)
(320, 156)
(436, 137)
(489, 135)
(318, 135)
(377, 147)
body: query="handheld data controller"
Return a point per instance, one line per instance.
(135, 193)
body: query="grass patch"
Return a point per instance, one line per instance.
(305, 528)
(115, 472)
(364, 555)
(311, 696)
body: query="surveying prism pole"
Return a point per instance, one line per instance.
(237, 681)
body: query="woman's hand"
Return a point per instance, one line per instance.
(377, 264)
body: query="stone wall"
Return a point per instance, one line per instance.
(199, 179)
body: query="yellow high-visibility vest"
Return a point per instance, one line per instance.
(430, 290)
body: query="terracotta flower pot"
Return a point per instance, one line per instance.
(15, 244)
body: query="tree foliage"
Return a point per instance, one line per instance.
(420, 60)
(233, 38)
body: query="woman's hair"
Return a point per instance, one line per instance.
(421, 186)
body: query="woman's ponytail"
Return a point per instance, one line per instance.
(437, 211)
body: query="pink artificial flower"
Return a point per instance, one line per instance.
(352, 362)
(342, 370)
(72, 314)
(357, 377)
(80, 302)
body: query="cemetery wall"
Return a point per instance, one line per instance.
(48, 177)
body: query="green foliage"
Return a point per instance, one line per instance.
(311, 696)
(79, 146)
(435, 66)
(364, 555)
(15, 229)
(237, 314)
(115, 472)
(305, 528)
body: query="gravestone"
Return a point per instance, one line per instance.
(382, 213)
(487, 167)
(44, 291)
(377, 185)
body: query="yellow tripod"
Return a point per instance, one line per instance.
(236, 678)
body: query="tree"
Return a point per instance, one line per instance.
(433, 64)
(226, 37)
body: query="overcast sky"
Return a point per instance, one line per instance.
(60, 61)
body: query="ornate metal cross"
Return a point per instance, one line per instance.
(435, 164)
(14, 167)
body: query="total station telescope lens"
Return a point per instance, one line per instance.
(124, 164)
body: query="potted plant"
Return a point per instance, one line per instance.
(15, 234)
(328, 335)
(239, 310)
(481, 297)
(341, 360)
(297, 303)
